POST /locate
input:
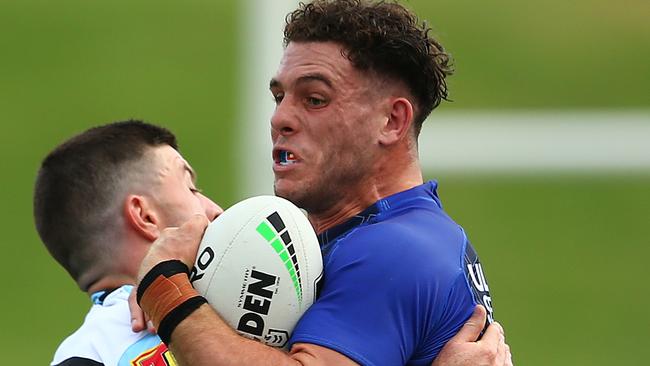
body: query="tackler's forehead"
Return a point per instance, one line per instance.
(165, 161)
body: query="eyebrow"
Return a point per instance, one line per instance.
(191, 171)
(275, 83)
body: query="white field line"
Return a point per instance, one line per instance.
(578, 141)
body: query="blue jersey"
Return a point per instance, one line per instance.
(400, 279)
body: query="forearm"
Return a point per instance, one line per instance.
(194, 332)
(203, 338)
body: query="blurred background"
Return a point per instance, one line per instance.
(542, 156)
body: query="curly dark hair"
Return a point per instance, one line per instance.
(381, 37)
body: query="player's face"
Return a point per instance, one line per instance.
(174, 191)
(323, 128)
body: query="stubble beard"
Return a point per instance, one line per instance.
(320, 194)
(311, 196)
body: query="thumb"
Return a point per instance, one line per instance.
(189, 236)
(198, 222)
(194, 227)
(473, 326)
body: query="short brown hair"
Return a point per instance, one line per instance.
(76, 193)
(383, 37)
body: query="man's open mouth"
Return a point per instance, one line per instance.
(286, 157)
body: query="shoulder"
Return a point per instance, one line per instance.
(426, 241)
(104, 335)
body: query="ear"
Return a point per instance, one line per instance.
(398, 122)
(141, 217)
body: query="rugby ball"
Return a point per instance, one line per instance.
(258, 265)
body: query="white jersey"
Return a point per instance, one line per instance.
(105, 337)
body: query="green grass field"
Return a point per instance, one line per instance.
(544, 54)
(565, 255)
(566, 260)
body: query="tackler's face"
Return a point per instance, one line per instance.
(174, 192)
(324, 125)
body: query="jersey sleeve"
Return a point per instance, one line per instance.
(385, 301)
(457, 310)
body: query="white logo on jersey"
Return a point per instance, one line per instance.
(480, 283)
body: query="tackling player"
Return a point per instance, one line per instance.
(101, 198)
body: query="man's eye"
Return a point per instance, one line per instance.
(278, 97)
(315, 102)
(195, 190)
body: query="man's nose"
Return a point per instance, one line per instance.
(212, 210)
(284, 121)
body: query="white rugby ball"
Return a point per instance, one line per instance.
(258, 265)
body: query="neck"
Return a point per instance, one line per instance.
(111, 282)
(121, 268)
(358, 198)
(124, 264)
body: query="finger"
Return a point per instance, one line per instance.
(493, 335)
(196, 225)
(191, 234)
(508, 357)
(137, 315)
(501, 351)
(473, 326)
